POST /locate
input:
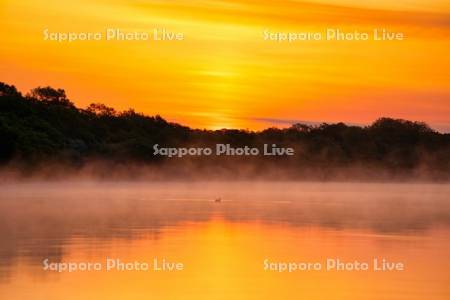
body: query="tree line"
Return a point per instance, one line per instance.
(45, 126)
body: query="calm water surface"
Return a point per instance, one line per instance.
(223, 245)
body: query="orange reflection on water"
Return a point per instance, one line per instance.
(224, 260)
(223, 246)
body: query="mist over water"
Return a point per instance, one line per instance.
(82, 221)
(236, 169)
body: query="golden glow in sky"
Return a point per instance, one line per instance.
(224, 74)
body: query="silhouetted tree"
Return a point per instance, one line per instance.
(8, 90)
(50, 95)
(101, 110)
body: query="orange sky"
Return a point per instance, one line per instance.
(224, 74)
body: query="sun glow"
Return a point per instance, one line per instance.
(224, 74)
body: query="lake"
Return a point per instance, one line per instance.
(224, 240)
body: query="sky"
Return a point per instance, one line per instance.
(224, 74)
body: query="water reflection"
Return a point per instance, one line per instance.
(253, 221)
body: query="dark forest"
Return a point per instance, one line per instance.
(44, 128)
